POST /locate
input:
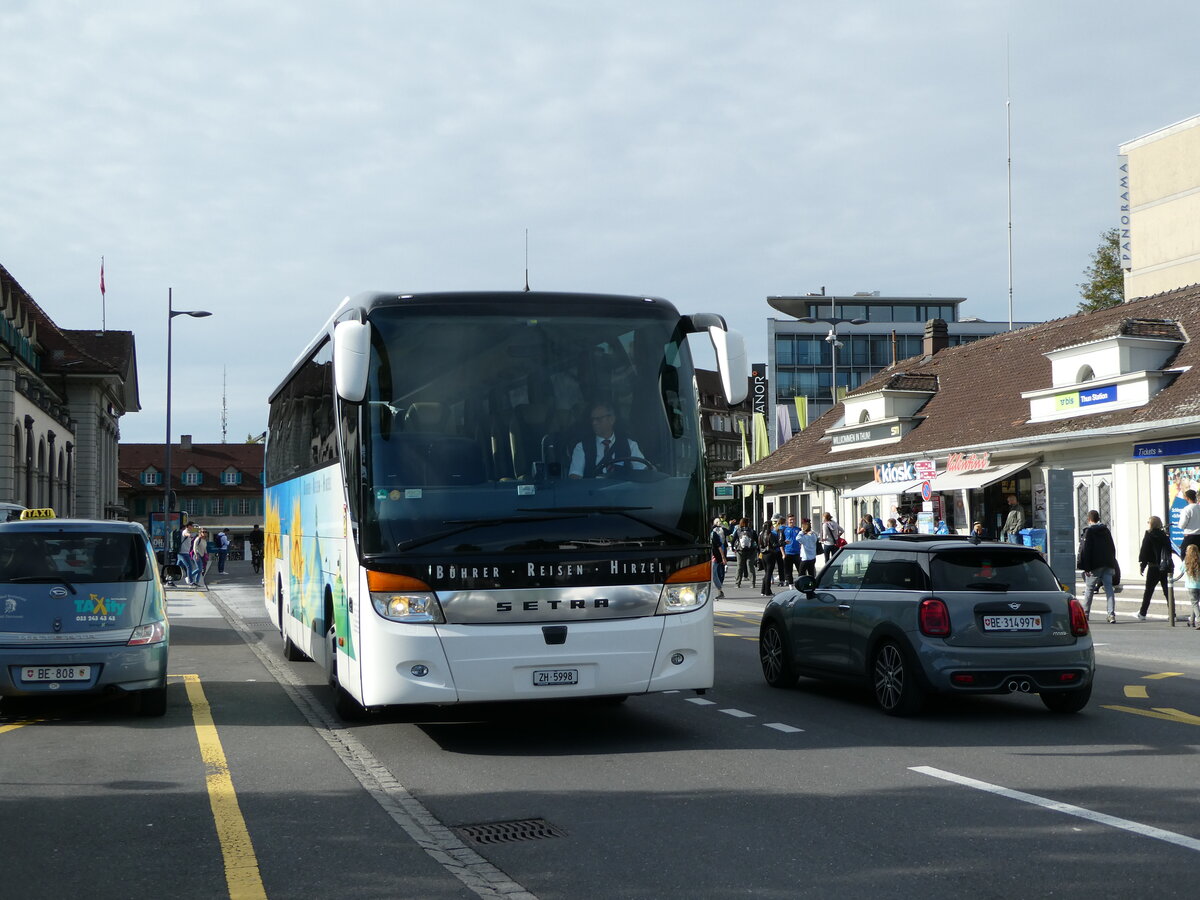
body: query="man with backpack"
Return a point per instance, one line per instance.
(745, 544)
(770, 541)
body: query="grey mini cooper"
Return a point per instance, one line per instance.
(915, 618)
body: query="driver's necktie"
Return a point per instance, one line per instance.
(606, 457)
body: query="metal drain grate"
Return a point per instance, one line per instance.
(509, 832)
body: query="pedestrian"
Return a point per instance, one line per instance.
(1189, 521)
(891, 527)
(942, 527)
(1154, 561)
(1011, 532)
(1097, 560)
(222, 550)
(199, 556)
(976, 536)
(772, 555)
(866, 528)
(791, 551)
(184, 551)
(745, 545)
(1191, 575)
(831, 535)
(719, 551)
(807, 539)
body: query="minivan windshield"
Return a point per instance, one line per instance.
(980, 569)
(72, 557)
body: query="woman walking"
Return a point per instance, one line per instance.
(1154, 561)
(745, 544)
(831, 531)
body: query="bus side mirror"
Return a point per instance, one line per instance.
(730, 347)
(351, 350)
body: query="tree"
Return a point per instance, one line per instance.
(1105, 285)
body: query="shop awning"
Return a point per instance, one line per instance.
(880, 489)
(965, 481)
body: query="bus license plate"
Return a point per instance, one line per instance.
(543, 677)
(56, 673)
(1012, 623)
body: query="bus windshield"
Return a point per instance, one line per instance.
(484, 428)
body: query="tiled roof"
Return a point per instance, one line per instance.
(978, 399)
(210, 459)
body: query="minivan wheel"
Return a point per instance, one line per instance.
(895, 682)
(775, 658)
(1066, 701)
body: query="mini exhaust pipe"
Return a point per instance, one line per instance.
(1023, 686)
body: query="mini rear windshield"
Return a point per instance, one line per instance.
(991, 570)
(75, 557)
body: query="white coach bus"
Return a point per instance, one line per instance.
(445, 522)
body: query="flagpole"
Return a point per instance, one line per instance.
(103, 317)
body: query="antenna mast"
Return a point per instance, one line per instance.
(1008, 113)
(224, 407)
(526, 260)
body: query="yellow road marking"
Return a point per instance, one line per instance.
(1162, 675)
(1137, 691)
(1179, 715)
(241, 866)
(1170, 715)
(15, 725)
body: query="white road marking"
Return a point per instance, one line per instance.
(786, 729)
(700, 701)
(1054, 805)
(738, 714)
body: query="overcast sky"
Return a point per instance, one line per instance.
(265, 159)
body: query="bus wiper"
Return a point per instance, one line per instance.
(43, 579)
(620, 511)
(463, 525)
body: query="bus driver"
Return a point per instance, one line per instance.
(606, 449)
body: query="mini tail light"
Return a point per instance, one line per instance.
(934, 618)
(962, 678)
(1079, 622)
(1064, 677)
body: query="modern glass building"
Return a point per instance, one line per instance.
(802, 361)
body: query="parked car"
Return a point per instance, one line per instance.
(82, 611)
(912, 618)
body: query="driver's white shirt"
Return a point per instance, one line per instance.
(576, 469)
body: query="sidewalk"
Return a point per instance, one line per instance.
(1129, 599)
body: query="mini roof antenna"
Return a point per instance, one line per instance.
(527, 260)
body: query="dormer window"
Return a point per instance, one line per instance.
(192, 477)
(864, 417)
(1085, 374)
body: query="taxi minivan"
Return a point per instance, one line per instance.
(82, 610)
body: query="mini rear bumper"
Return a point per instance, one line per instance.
(977, 670)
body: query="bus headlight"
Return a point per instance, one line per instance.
(681, 598)
(406, 606)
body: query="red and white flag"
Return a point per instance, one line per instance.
(102, 276)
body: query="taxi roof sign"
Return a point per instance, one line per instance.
(37, 514)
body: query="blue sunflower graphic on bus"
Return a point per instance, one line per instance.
(303, 547)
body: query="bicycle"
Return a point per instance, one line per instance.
(256, 559)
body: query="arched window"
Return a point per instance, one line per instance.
(1085, 374)
(864, 417)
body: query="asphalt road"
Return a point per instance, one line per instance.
(746, 791)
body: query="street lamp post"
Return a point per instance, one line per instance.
(171, 314)
(832, 339)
